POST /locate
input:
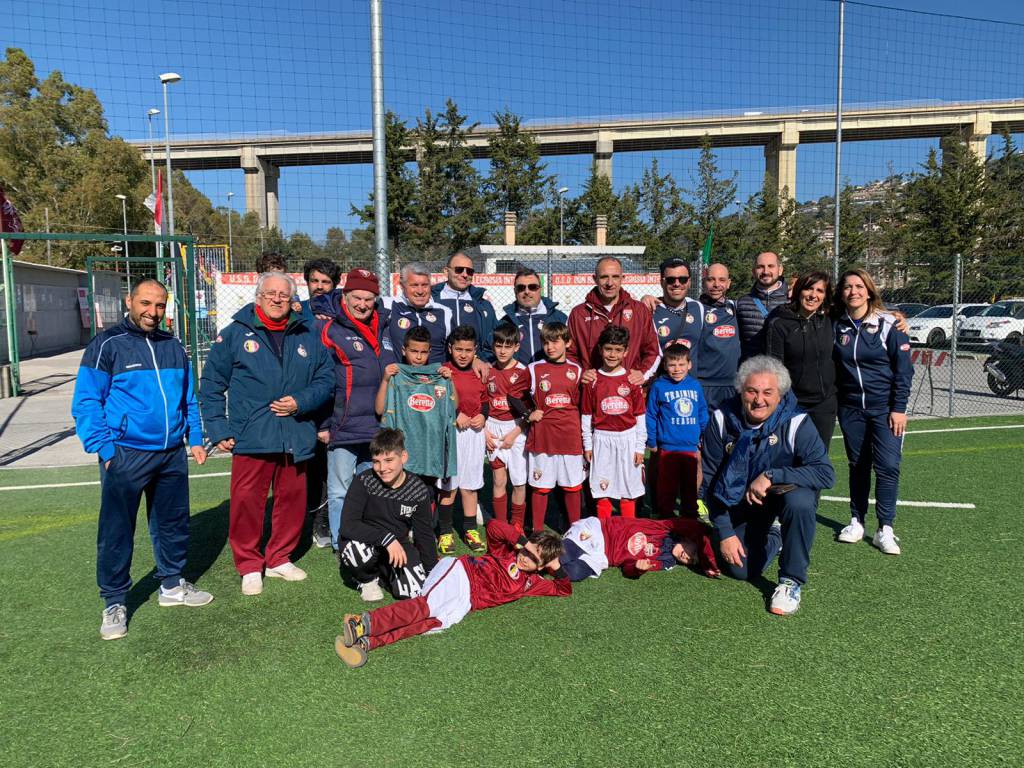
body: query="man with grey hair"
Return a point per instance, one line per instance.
(264, 382)
(764, 465)
(416, 307)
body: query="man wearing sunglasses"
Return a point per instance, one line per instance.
(529, 313)
(678, 319)
(468, 304)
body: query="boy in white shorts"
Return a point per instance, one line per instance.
(471, 398)
(511, 570)
(614, 429)
(554, 447)
(508, 388)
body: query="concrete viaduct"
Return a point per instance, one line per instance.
(780, 133)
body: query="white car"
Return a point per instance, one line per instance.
(1003, 321)
(934, 326)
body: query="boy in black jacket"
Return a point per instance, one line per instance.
(383, 505)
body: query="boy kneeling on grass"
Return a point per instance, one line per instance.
(510, 570)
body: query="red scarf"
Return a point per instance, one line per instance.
(271, 325)
(368, 332)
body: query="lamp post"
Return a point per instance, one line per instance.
(166, 79)
(561, 215)
(228, 260)
(124, 219)
(150, 114)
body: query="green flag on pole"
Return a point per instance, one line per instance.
(705, 254)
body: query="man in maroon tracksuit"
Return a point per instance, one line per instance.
(509, 571)
(608, 304)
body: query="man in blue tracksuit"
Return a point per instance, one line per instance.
(415, 307)
(718, 354)
(134, 406)
(678, 319)
(468, 304)
(763, 464)
(529, 312)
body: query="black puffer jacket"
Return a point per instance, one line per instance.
(752, 321)
(804, 345)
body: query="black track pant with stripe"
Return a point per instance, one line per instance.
(367, 562)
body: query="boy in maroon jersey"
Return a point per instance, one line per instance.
(554, 446)
(508, 386)
(469, 423)
(614, 428)
(637, 546)
(509, 571)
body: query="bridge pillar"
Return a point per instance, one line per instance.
(979, 131)
(780, 159)
(261, 179)
(603, 150)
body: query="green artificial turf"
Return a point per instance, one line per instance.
(891, 661)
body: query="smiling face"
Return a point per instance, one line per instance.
(767, 269)
(360, 304)
(760, 397)
(275, 298)
(147, 306)
(812, 297)
(855, 295)
(674, 283)
(685, 552)
(612, 355)
(717, 282)
(608, 278)
(527, 289)
(528, 558)
(388, 466)
(319, 284)
(459, 272)
(417, 290)
(677, 368)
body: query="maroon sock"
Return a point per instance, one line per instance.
(572, 505)
(540, 508)
(500, 507)
(518, 515)
(627, 507)
(604, 508)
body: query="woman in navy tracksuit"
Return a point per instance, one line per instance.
(873, 375)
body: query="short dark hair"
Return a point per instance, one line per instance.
(676, 351)
(417, 333)
(553, 331)
(148, 281)
(462, 333)
(271, 261)
(673, 262)
(387, 441)
(506, 333)
(549, 545)
(324, 267)
(613, 334)
(525, 272)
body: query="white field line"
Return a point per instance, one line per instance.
(952, 429)
(901, 503)
(91, 482)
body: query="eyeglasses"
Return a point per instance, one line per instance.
(673, 280)
(278, 296)
(523, 287)
(463, 270)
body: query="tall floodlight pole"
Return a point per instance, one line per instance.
(150, 114)
(230, 247)
(166, 79)
(561, 215)
(839, 141)
(124, 218)
(380, 190)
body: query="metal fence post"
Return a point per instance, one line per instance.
(12, 319)
(952, 342)
(550, 286)
(190, 304)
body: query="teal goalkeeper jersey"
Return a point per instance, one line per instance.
(421, 403)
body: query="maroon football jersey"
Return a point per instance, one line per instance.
(470, 389)
(613, 402)
(495, 579)
(555, 389)
(628, 539)
(505, 383)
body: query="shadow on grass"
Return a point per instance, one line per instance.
(828, 522)
(208, 533)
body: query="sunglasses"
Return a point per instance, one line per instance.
(464, 270)
(673, 280)
(523, 287)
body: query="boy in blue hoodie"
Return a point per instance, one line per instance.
(676, 416)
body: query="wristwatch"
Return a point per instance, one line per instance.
(768, 473)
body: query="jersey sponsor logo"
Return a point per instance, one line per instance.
(499, 403)
(219, 340)
(558, 400)
(406, 510)
(492, 386)
(725, 331)
(614, 405)
(133, 365)
(870, 328)
(431, 317)
(570, 375)
(904, 347)
(683, 407)
(710, 317)
(637, 543)
(421, 402)
(684, 342)
(513, 571)
(545, 385)
(357, 346)
(513, 378)
(468, 308)
(663, 330)
(689, 317)
(844, 339)
(623, 390)
(301, 350)
(627, 315)
(404, 323)
(251, 346)
(440, 391)
(250, 333)
(584, 536)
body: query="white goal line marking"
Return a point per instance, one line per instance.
(901, 503)
(951, 429)
(91, 482)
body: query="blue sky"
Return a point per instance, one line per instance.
(297, 66)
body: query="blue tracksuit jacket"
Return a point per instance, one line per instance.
(681, 324)
(243, 375)
(435, 317)
(719, 348)
(135, 390)
(874, 371)
(733, 455)
(529, 323)
(476, 311)
(676, 414)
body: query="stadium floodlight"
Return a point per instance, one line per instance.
(166, 79)
(169, 77)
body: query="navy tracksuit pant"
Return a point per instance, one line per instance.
(163, 477)
(870, 443)
(752, 524)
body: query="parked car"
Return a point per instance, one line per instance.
(934, 326)
(1003, 321)
(909, 309)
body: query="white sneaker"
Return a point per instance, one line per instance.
(785, 598)
(371, 591)
(252, 583)
(852, 533)
(886, 540)
(287, 571)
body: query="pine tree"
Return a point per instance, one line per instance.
(516, 181)
(401, 186)
(665, 215)
(711, 194)
(1001, 254)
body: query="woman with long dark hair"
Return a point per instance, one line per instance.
(874, 374)
(800, 335)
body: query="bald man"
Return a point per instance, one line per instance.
(719, 347)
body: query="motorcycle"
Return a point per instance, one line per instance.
(1005, 368)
